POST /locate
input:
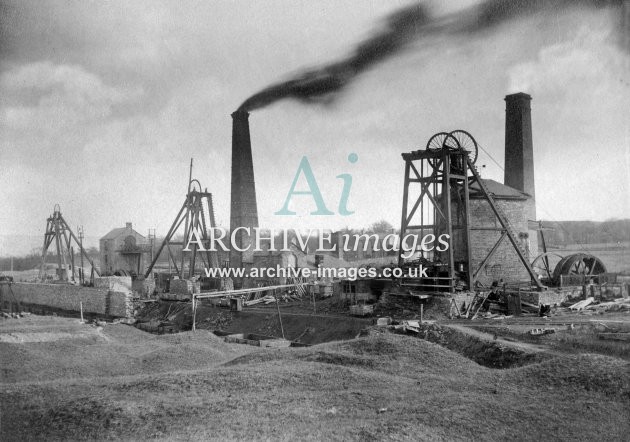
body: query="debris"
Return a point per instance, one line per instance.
(545, 310)
(617, 305)
(268, 299)
(453, 305)
(381, 410)
(381, 322)
(526, 307)
(412, 326)
(581, 304)
(361, 310)
(542, 331)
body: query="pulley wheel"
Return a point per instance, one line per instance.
(466, 142)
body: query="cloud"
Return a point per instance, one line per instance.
(589, 59)
(580, 108)
(580, 83)
(61, 96)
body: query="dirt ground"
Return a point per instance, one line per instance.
(61, 379)
(297, 321)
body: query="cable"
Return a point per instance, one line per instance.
(490, 156)
(581, 249)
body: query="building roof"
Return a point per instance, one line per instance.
(115, 233)
(498, 190)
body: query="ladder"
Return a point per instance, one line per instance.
(511, 234)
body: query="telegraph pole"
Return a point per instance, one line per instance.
(151, 241)
(81, 276)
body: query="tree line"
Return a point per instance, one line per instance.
(587, 232)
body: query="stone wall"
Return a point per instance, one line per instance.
(553, 297)
(114, 283)
(505, 263)
(184, 286)
(99, 301)
(145, 288)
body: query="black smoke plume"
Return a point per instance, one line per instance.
(401, 28)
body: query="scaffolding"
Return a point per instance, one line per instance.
(197, 217)
(436, 202)
(59, 232)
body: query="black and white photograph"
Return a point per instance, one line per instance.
(344, 220)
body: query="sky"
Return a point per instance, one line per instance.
(104, 103)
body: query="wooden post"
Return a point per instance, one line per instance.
(421, 312)
(194, 312)
(446, 191)
(81, 307)
(280, 317)
(403, 219)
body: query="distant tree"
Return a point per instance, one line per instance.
(587, 232)
(381, 226)
(92, 252)
(19, 263)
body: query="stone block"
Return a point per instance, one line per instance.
(116, 283)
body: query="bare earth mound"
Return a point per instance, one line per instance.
(62, 348)
(377, 387)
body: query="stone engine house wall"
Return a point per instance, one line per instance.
(505, 263)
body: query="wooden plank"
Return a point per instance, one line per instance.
(454, 304)
(483, 301)
(242, 291)
(581, 304)
(425, 285)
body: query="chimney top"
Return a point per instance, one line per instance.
(521, 95)
(128, 225)
(240, 113)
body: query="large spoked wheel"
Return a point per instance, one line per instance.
(439, 141)
(442, 140)
(579, 264)
(544, 264)
(466, 142)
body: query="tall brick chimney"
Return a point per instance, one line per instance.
(519, 150)
(519, 161)
(243, 210)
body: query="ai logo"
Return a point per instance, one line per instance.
(313, 190)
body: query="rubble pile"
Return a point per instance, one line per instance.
(591, 306)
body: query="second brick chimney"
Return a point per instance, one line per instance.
(519, 150)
